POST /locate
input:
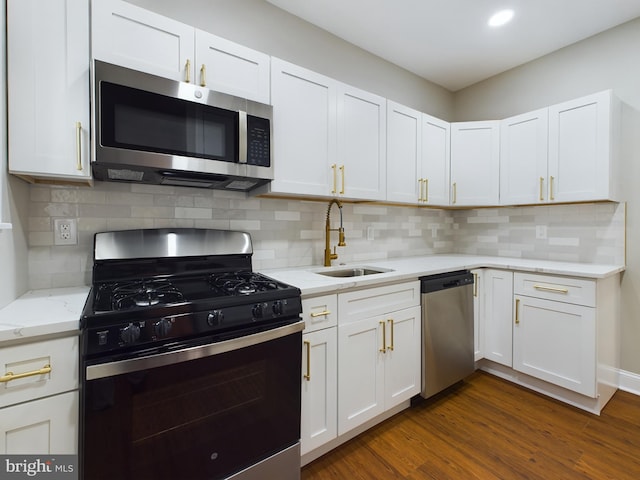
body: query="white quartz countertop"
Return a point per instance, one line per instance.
(43, 312)
(409, 268)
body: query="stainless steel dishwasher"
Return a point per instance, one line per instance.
(447, 330)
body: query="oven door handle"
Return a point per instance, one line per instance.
(110, 369)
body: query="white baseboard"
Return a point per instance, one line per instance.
(630, 382)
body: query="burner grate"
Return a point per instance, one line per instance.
(242, 283)
(144, 293)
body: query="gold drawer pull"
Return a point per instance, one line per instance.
(11, 376)
(391, 323)
(541, 189)
(475, 284)
(187, 71)
(551, 289)
(320, 314)
(342, 174)
(384, 337)
(203, 75)
(78, 146)
(307, 344)
(517, 309)
(335, 178)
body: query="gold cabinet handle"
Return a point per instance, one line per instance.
(390, 322)
(426, 189)
(551, 195)
(187, 71)
(541, 189)
(475, 284)
(7, 377)
(203, 75)
(307, 344)
(420, 180)
(384, 337)
(517, 309)
(455, 192)
(320, 314)
(551, 289)
(342, 174)
(334, 167)
(78, 146)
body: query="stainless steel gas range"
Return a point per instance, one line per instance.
(190, 361)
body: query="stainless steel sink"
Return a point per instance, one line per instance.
(353, 272)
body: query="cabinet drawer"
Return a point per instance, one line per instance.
(374, 301)
(60, 355)
(320, 312)
(578, 291)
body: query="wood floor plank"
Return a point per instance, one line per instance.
(487, 429)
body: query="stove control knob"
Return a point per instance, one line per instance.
(258, 310)
(130, 333)
(215, 318)
(162, 327)
(278, 308)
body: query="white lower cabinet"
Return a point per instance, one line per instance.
(497, 328)
(478, 315)
(39, 413)
(364, 366)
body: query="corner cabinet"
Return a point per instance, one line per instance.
(133, 37)
(475, 163)
(48, 90)
(39, 412)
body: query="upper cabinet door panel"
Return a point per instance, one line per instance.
(136, 38)
(475, 163)
(304, 126)
(361, 135)
(48, 89)
(403, 153)
(434, 161)
(523, 158)
(232, 68)
(581, 154)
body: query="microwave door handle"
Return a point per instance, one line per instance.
(242, 137)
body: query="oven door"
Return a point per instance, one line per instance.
(202, 412)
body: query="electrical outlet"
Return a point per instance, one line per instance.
(65, 231)
(541, 232)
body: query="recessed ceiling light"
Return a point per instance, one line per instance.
(500, 18)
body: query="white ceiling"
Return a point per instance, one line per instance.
(448, 41)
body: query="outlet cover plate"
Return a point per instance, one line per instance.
(65, 231)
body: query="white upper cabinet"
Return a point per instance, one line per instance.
(362, 144)
(582, 149)
(136, 38)
(475, 163)
(404, 147)
(304, 130)
(329, 138)
(433, 171)
(523, 158)
(48, 90)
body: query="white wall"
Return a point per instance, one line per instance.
(609, 60)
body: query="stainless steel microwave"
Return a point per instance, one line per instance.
(149, 129)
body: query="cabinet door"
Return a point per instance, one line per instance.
(404, 144)
(360, 372)
(45, 426)
(48, 89)
(136, 38)
(227, 67)
(478, 313)
(556, 342)
(579, 149)
(433, 172)
(523, 158)
(319, 422)
(304, 126)
(498, 316)
(402, 357)
(362, 146)
(475, 163)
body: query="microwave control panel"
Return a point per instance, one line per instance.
(258, 141)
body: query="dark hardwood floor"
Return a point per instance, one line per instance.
(488, 428)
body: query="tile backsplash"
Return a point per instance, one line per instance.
(290, 233)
